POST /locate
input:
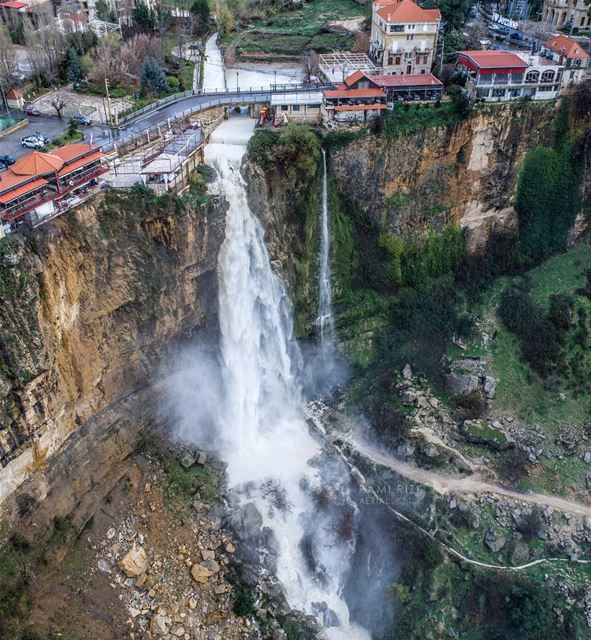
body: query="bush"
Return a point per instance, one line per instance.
(262, 148)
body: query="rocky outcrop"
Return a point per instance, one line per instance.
(465, 174)
(93, 304)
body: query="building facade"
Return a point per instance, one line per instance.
(503, 75)
(568, 14)
(403, 36)
(571, 54)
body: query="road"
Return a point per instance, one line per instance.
(51, 126)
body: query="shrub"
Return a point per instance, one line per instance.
(262, 148)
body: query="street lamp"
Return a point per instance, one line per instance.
(237, 76)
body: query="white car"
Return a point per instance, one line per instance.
(32, 142)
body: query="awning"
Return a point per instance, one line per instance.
(82, 162)
(361, 107)
(9, 196)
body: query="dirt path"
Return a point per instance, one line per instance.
(443, 483)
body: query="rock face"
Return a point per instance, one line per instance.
(94, 303)
(467, 174)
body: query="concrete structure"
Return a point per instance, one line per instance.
(505, 75)
(571, 55)
(335, 67)
(558, 14)
(403, 36)
(297, 107)
(164, 165)
(40, 186)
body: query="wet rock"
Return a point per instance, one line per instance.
(212, 565)
(246, 521)
(135, 562)
(187, 459)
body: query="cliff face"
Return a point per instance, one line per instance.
(92, 306)
(467, 174)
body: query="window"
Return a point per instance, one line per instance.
(498, 93)
(532, 77)
(410, 36)
(547, 76)
(411, 27)
(501, 78)
(422, 71)
(483, 93)
(284, 107)
(397, 60)
(296, 107)
(397, 28)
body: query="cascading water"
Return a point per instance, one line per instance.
(325, 316)
(264, 436)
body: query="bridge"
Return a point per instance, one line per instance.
(147, 123)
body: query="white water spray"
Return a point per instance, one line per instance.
(265, 438)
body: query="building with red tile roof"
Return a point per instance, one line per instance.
(571, 54)
(41, 185)
(505, 75)
(403, 36)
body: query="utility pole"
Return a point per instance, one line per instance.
(4, 101)
(109, 119)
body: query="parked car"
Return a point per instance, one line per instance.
(81, 118)
(41, 137)
(517, 35)
(32, 142)
(6, 161)
(32, 110)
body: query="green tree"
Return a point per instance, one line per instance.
(153, 77)
(74, 66)
(102, 10)
(144, 17)
(201, 14)
(299, 150)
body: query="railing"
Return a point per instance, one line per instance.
(240, 92)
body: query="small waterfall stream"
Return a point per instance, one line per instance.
(325, 316)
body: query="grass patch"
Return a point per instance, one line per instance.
(290, 32)
(182, 483)
(66, 138)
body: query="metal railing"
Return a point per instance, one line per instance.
(240, 92)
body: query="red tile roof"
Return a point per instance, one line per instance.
(406, 11)
(13, 4)
(73, 151)
(566, 47)
(360, 107)
(355, 77)
(9, 196)
(355, 93)
(408, 80)
(81, 162)
(9, 180)
(492, 59)
(14, 94)
(37, 164)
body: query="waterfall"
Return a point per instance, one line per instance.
(263, 432)
(325, 316)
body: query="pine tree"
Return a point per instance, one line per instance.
(153, 77)
(201, 14)
(74, 65)
(143, 16)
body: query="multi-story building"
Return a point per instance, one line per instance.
(505, 75)
(570, 53)
(566, 13)
(403, 36)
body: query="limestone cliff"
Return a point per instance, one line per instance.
(466, 174)
(92, 306)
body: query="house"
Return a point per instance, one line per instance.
(297, 107)
(358, 99)
(403, 36)
(571, 54)
(15, 100)
(39, 186)
(559, 14)
(506, 75)
(398, 87)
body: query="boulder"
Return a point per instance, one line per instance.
(159, 625)
(187, 459)
(407, 372)
(519, 553)
(461, 384)
(490, 387)
(409, 398)
(480, 432)
(493, 540)
(469, 365)
(135, 562)
(200, 573)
